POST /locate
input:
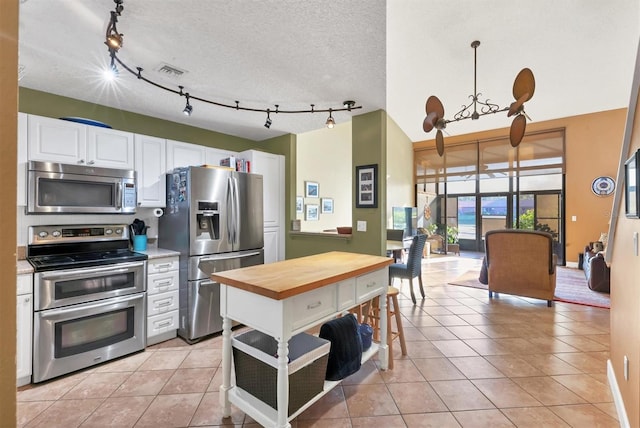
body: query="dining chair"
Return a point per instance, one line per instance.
(413, 266)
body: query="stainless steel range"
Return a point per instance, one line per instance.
(89, 297)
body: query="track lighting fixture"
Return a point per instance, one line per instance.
(330, 122)
(114, 40)
(187, 108)
(267, 123)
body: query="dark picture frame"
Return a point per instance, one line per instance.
(367, 186)
(631, 186)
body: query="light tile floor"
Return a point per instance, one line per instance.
(472, 362)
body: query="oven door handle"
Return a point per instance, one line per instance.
(80, 273)
(50, 313)
(228, 257)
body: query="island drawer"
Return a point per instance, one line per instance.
(313, 305)
(369, 285)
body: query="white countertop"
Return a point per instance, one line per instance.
(23, 267)
(156, 253)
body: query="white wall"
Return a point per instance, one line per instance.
(324, 157)
(400, 188)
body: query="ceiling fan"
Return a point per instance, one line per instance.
(523, 89)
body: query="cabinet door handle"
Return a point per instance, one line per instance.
(91, 162)
(314, 305)
(81, 161)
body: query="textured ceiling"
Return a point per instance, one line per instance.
(387, 55)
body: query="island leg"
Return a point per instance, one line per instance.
(226, 367)
(283, 383)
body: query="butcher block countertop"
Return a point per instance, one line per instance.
(288, 278)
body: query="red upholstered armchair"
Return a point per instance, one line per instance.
(521, 262)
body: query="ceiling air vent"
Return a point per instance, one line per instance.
(170, 71)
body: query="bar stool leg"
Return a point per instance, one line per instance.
(398, 317)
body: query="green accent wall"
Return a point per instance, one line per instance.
(369, 141)
(50, 105)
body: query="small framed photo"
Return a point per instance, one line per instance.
(299, 205)
(327, 205)
(311, 189)
(311, 212)
(367, 186)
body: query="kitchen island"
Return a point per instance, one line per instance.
(288, 297)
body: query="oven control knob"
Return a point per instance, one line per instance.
(118, 231)
(43, 234)
(56, 233)
(108, 231)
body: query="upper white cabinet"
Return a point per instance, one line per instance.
(22, 159)
(110, 148)
(181, 154)
(55, 140)
(214, 156)
(151, 165)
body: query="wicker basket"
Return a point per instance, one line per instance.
(255, 362)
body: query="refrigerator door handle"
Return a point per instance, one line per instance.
(230, 256)
(236, 212)
(229, 213)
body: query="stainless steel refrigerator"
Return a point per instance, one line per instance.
(214, 218)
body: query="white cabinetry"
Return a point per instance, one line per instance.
(184, 154)
(22, 159)
(24, 320)
(162, 299)
(55, 140)
(271, 167)
(151, 164)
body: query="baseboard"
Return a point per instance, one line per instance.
(572, 265)
(617, 397)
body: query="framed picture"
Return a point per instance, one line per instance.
(367, 186)
(311, 189)
(631, 184)
(327, 205)
(299, 205)
(311, 212)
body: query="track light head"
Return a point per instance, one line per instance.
(348, 104)
(267, 123)
(330, 122)
(188, 109)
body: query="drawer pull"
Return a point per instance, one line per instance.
(164, 324)
(371, 284)
(164, 283)
(162, 304)
(163, 266)
(314, 305)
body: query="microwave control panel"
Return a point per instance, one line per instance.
(129, 195)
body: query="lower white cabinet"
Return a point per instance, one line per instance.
(162, 299)
(24, 321)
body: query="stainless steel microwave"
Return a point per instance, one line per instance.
(63, 188)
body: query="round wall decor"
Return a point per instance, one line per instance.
(603, 186)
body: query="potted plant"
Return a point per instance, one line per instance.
(452, 240)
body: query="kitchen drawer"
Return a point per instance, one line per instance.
(162, 323)
(162, 282)
(370, 284)
(24, 284)
(313, 305)
(164, 264)
(161, 303)
(347, 294)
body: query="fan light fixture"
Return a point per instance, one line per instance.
(114, 41)
(523, 89)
